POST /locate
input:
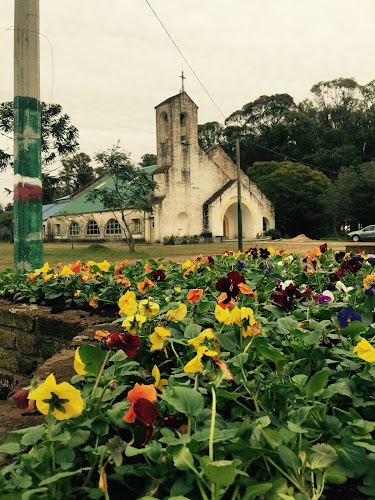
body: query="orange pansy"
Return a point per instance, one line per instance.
(147, 268)
(194, 295)
(145, 286)
(245, 289)
(221, 299)
(139, 391)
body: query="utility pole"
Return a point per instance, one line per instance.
(28, 225)
(239, 211)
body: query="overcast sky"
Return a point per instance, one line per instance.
(113, 62)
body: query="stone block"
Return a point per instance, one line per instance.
(8, 337)
(57, 328)
(33, 345)
(17, 316)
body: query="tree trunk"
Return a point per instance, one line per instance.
(128, 234)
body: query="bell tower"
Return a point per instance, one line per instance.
(176, 132)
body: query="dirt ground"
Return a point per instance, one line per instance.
(62, 363)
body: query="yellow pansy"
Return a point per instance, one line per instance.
(103, 266)
(63, 401)
(42, 270)
(367, 280)
(177, 314)
(78, 365)
(365, 351)
(177, 289)
(223, 315)
(134, 323)
(206, 334)
(271, 251)
(127, 304)
(77, 293)
(148, 309)
(160, 383)
(186, 264)
(158, 337)
(195, 365)
(48, 277)
(167, 299)
(244, 318)
(66, 271)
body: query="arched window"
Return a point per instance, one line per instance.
(74, 229)
(92, 228)
(163, 127)
(183, 127)
(266, 224)
(113, 227)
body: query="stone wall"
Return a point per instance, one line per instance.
(30, 334)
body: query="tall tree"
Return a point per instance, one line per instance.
(76, 173)
(59, 136)
(210, 134)
(148, 160)
(132, 188)
(295, 190)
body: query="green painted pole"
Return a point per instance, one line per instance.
(239, 210)
(28, 225)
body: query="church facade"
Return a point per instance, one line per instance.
(196, 191)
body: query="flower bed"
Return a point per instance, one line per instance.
(241, 377)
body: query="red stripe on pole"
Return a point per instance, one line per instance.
(27, 192)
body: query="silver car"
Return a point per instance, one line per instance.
(367, 233)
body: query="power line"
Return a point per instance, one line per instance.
(184, 58)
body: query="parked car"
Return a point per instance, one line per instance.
(367, 233)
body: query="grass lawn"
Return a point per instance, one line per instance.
(56, 252)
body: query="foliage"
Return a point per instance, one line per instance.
(76, 173)
(274, 233)
(277, 401)
(6, 225)
(295, 190)
(148, 160)
(59, 136)
(132, 187)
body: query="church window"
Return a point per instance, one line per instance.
(113, 227)
(163, 127)
(57, 229)
(136, 226)
(74, 229)
(92, 228)
(183, 127)
(266, 224)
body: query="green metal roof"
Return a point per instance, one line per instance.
(79, 203)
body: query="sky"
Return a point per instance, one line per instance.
(109, 63)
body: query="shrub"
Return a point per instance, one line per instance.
(169, 240)
(274, 233)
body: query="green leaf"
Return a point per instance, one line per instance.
(92, 357)
(225, 342)
(100, 426)
(270, 353)
(116, 447)
(186, 400)
(256, 490)
(289, 458)
(287, 323)
(29, 495)
(323, 456)
(117, 412)
(33, 435)
(316, 383)
(10, 448)
(65, 456)
(182, 457)
(61, 475)
(335, 475)
(354, 329)
(240, 359)
(220, 472)
(192, 331)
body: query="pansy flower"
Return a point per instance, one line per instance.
(195, 365)
(177, 314)
(194, 295)
(365, 351)
(124, 341)
(210, 261)
(229, 285)
(160, 383)
(125, 283)
(76, 268)
(346, 316)
(66, 271)
(63, 401)
(158, 337)
(147, 268)
(134, 323)
(223, 315)
(145, 286)
(94, 302)
(127, 304)
(148, 309)
(226, 374)
(158, 275)
(79, 366)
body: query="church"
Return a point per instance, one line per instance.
(196, 192)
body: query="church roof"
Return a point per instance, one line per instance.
(79, 203)
(219, 192)
(170, 99)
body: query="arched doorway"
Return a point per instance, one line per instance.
(182, 224)
(230, 222)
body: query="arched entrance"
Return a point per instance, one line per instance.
(182, 224)
(230, 222)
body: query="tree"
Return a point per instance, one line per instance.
(210, 134)
(76, 173)
(295, 190)
(132, 187)
(59, 136)
(148, 160)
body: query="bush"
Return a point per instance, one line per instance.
(169, 240)
(274, 233)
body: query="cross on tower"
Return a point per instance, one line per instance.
(182, 78)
